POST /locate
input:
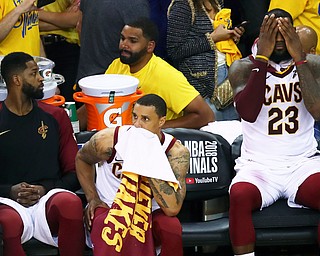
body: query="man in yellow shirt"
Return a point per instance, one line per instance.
(186, 108)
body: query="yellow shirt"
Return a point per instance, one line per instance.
(24, 36)
(159, 77)
(303, 12)
(69, 33)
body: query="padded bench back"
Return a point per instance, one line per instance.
(83, 136)
(211, 166)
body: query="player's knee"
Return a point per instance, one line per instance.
(68, 204)
(10, 221)
(162, 222)
(242, 193)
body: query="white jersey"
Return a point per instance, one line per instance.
(108, 174)
(284, 127)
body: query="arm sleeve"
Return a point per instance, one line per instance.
(249, 101)
(179, 43)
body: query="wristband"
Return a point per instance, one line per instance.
(262, 57)
(300, 62)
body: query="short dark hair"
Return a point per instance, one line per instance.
(12, 63)
(280, 13)
(148, 27)
(156, 101)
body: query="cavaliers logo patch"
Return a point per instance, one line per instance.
(42, 130)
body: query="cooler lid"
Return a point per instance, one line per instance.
(102, 85)
(44, 63)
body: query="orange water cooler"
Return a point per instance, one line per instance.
(109, 99)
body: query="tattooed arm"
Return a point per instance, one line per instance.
(308, 72)
(98, 148)
(170, 201)
(309, 76)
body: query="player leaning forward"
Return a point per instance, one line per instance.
(277, 94)
(147, 167)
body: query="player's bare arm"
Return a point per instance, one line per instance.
(310, 84)
(98, 148)
(239, 73)
(308, 72)
(168, 199)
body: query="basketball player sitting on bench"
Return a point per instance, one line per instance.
(277, 94)
(149, 113)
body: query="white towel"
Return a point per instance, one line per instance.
(229, 130)
(142, 154)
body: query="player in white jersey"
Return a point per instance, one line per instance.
(108, 174)
(149, 113)
(277, 95)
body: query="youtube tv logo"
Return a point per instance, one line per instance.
(189, 180)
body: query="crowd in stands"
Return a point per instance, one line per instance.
(181, 51)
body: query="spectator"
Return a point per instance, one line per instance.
(102, 22)
(19, 29)
(202, 48)
(115, 147)
(186, 108)
(303, 12)
(61, 40)
(279, 152)
(37, 156)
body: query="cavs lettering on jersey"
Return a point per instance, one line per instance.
(109, 173)
(282, 121)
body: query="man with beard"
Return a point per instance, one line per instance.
(185, 107)
(277, 94)
(37, 172)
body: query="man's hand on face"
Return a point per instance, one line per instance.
(291, 38)
(267, 36)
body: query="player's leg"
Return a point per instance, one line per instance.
(12, 227)
(308, 194)
(244, 198)
(167, 232)
(64, 214)
(100, 247)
